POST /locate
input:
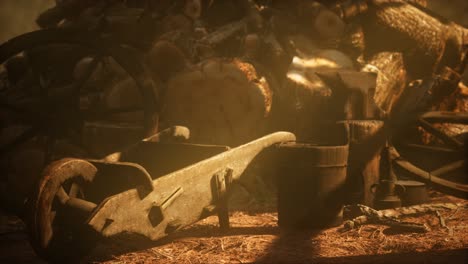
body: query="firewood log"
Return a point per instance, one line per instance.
(391, 78)
(220, 101)
(165, 59)
(428, 42)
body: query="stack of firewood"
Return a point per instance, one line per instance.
(234, 70)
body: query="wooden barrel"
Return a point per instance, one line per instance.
(310, 185)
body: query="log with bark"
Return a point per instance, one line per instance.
(403, 41)
(429, 42)
(391, 78)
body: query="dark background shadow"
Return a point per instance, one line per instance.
(293, 247)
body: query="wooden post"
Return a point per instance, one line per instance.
(367, 139)
(224, 181)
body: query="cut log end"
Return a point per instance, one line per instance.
(220, 101)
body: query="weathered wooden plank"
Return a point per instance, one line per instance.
(193, 185)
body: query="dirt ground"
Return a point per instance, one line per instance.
(255, 237)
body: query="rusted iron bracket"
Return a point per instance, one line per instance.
(180, 198)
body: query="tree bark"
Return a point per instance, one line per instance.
(391, 78)
(428, 42)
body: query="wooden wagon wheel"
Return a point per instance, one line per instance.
(438, 165)
(58, 211)
(54, 114)
(60, 114)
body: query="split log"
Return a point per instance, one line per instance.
(391, 216)
(391, 78)
(221, 102)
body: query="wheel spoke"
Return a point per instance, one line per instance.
(62, 196)
(73, 202)
(74, 190)
(446, 117)
(439, 134)
(448, 168)
(460, 190)
(81, 205)
(429, 148)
